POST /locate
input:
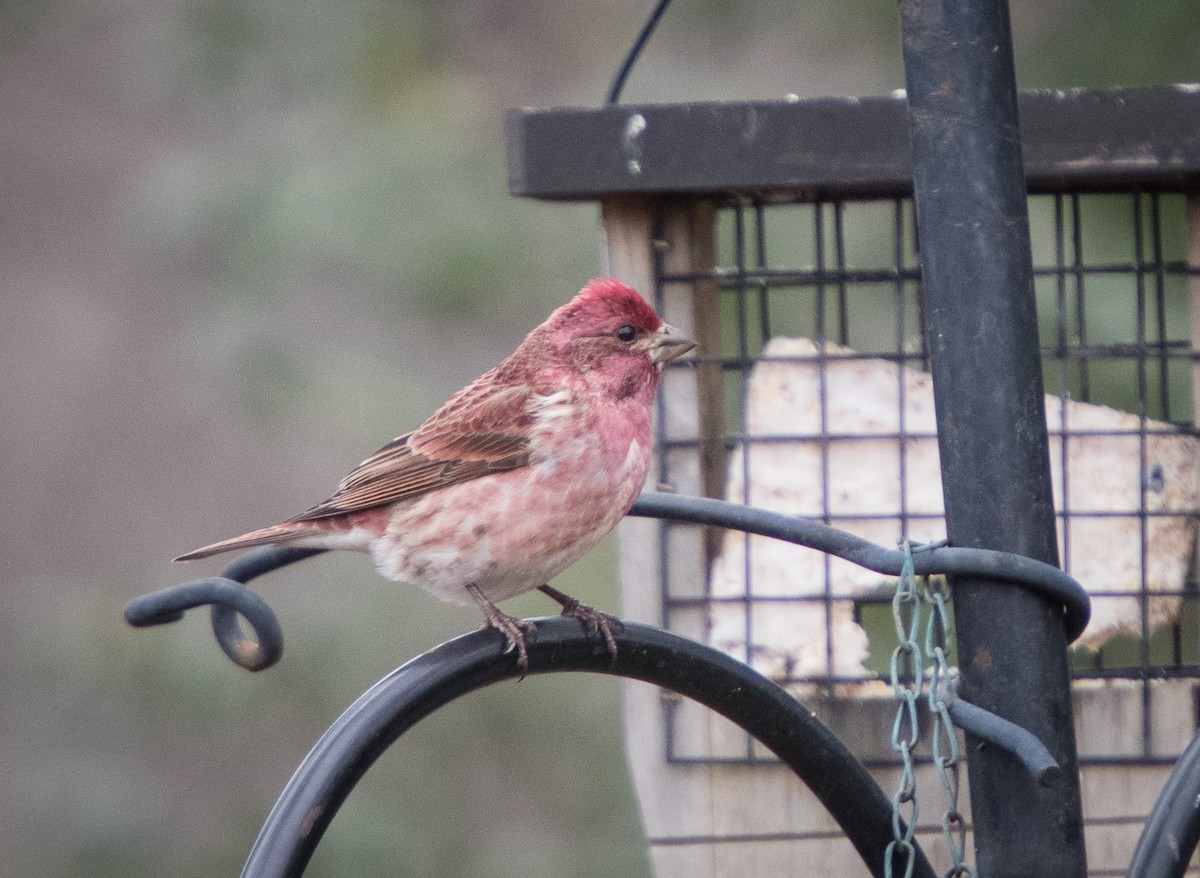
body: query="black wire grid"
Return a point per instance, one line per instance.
(1111, 279)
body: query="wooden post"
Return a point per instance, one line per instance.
(704, 818)
(683, 233)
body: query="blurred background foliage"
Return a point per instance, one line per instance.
(246, 243)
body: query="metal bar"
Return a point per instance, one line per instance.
(1074, 608)
(168, 604)
(1139, 245)
(729, 279)
(970, 193)
(1193, 264)
(840, 147)
(1171, 831)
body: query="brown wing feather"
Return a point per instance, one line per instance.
(480, 430)
(474, 434)
(480, 422)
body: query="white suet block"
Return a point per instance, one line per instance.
(855, 471)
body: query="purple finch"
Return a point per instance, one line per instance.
(517, 475)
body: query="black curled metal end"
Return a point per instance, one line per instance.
(1008, 736)
(229, 598)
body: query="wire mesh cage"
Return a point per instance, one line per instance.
(826, 411)
(798, 271)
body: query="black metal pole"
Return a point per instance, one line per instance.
(969, 188)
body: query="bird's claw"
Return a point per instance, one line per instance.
(514, 631)
(594, 621)
(597, 622)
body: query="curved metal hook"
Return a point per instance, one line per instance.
(1037, 575)
(1172, 829)
(410, 693)
(231, 598)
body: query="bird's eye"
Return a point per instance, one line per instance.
(625, 332)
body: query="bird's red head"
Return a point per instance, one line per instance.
(603, 305)
(609, 334)
(606, 336)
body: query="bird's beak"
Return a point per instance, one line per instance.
(669, 343)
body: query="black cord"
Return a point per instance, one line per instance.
(618, 85)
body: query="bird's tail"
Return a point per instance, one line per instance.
(279, 533)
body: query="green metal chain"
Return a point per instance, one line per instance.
(945, 741)
(907, 675)
(906, 665)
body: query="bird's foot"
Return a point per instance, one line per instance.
(594, 621)
(514, 630)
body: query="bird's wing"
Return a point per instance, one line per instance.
(474, 434)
